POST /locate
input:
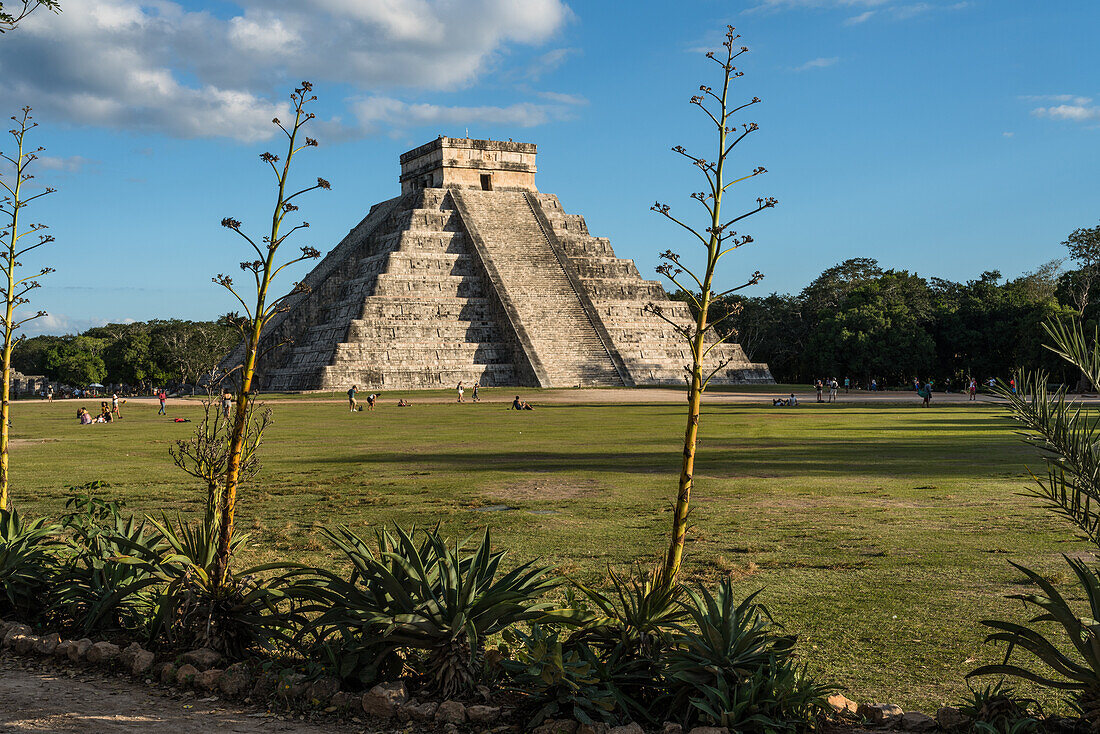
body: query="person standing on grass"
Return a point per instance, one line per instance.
(114, 405)
(476, 398)
(227, 403)
(460, 389)
(370, 401)
(833, 387)
(49, 394)
(162, 396)
(352, 405)
(819, 386)
(925, 393)
(973, 389)
(847, 384)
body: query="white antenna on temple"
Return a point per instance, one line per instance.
(467, 133)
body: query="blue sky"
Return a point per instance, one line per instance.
(943, 137)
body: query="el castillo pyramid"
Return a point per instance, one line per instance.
(473, 275)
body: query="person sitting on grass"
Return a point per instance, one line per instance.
(402, 403)
(518, 404)
(84, 417)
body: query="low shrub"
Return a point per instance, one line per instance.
(732, 668)
(28, 564)
(425, 604)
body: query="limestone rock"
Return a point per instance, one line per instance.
(102, 652)
(79, 649)
(671, 727)
(13, 630)
(556, 726)
(62, 649)
(596, 727)
(203, 658)
(880, 713)
(916, 721)
(126, 657)
(451, 712)
(47, 644)
(186, 674)
(384, 698)
(322, 690)
(23, 644)
(412, 711)
(209, 679)
(478, 714)
(290, 685)
(143, 661)
(709, 730)
(631, 728)
(265, 685)
(344, 701)
(950, 718)
(842, 704)
(166, 673)
(235, 680)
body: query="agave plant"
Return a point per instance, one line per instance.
(731, 667)
(251, 610)
(427, 596)
(105, 583)
(28, 564)
(1067, 436)
(562, 680)
(998, 709)
(1079, 671)
(630, 628)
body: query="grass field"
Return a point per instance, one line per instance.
(880, 534)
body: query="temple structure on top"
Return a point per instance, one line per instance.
(472, 275)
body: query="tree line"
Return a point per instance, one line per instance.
(865, 322)
(141, 354)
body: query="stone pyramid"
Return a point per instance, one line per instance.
(472, 275)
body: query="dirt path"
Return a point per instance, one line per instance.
(589, 396)
(43, 699)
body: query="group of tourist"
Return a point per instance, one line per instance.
(108, 412)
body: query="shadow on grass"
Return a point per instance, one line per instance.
(918, 459)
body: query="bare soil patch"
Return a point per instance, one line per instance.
(42, 699)
(546, 490)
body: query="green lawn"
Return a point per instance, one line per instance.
(880, 534)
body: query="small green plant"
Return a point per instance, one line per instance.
(997, 709)
(105, 583)
(630, 629)
(561, 680)
(28, 564)
(427, 597)
(732, 668)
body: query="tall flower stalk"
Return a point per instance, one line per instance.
(14, 288)
(717, 239)
(261, 309)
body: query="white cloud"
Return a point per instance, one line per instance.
(59, 324)
(376, 114)
(157, 65)
(861, 18)
(69, 164)
(818, 63)
(569, 99)
(891, 9)
(1008, 134)
(1073, 112)
(549, 62)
